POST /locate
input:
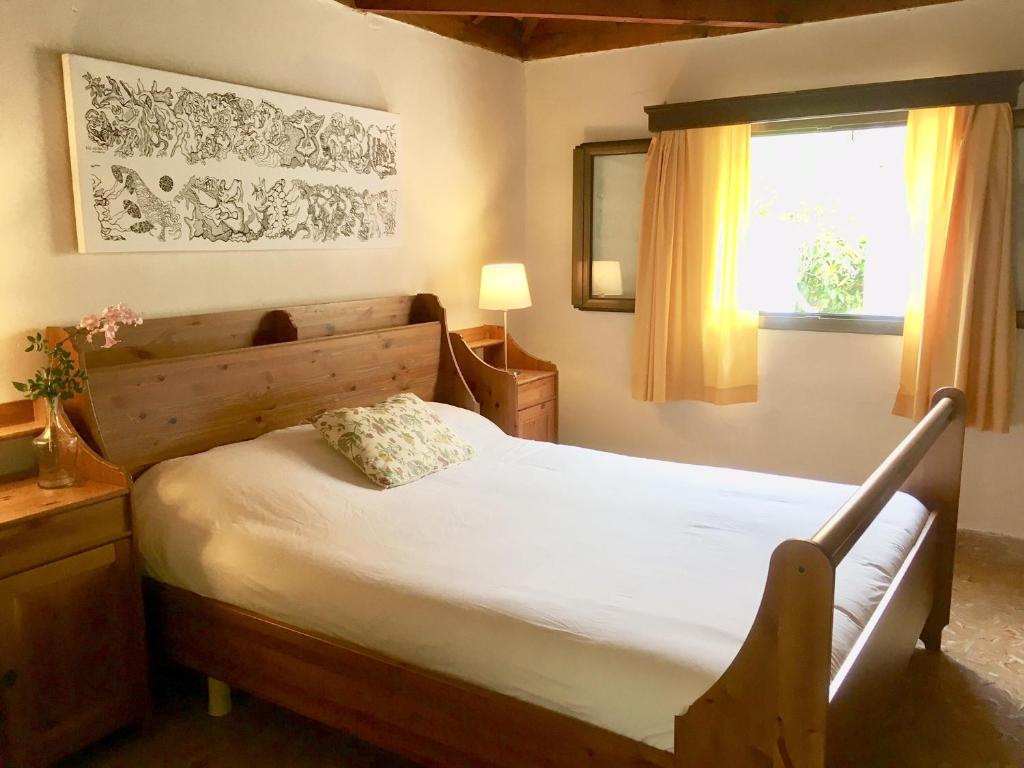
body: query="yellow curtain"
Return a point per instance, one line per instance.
(960, 326)
(691, 341)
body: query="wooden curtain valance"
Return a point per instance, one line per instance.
(982, 88)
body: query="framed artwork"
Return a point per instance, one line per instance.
(169, 162)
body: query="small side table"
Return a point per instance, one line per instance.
(72, 638)
(522, 400)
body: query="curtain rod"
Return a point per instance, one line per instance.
(980, 88)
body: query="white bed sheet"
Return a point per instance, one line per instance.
(613, 589)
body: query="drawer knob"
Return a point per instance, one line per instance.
(9, 678)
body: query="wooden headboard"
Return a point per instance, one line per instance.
(180, 385)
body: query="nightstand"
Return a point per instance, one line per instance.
(72, 641)
(523, 400)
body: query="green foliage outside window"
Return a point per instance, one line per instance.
(832, 274)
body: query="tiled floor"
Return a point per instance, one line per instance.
(964, 708)
(960, 709)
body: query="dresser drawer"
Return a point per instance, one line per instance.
(538, 422)
(45, 539)
(536, 392)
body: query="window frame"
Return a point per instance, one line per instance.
(583, 222)
(885, 325)
(1018, 135)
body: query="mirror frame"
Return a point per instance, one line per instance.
(582, 221)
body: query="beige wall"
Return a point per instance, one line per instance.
(825, 398)
(462, 199)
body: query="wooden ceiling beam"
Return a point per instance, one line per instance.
(529, 27)
(750, 14)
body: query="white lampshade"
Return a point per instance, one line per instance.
(606, 278)
(503, 286)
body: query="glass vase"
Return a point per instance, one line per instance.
(56, 449)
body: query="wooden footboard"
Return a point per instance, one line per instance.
(432, 718)
(777, 705)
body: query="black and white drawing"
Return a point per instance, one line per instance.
(171, 162)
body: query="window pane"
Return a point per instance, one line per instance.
(829, 229)
(618, 193)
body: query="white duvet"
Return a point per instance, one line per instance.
(612, 589)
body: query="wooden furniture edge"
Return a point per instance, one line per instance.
(520, 358)
(107, 425)
(46, 502)
(490, 386)
(865, 685)
(93, 466)
(21, 418)
(430, 717)
(452, 386)
(772, 706)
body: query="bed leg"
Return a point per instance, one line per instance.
(936, 484)
(218, 697)
(932, 638)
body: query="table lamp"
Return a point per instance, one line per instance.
(504, 287)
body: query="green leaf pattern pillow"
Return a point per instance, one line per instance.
(394, 442)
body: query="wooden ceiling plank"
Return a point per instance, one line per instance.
(480, 35)
(745, 13)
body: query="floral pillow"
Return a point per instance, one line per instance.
(394, 442)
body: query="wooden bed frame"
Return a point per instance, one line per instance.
(177, 386)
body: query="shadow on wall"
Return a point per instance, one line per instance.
(60, 198)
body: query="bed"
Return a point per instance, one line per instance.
(538, 605)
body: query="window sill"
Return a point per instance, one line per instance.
(795, 321)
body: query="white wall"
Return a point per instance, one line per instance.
(462, 142)
(825, 398)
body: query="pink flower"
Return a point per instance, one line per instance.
(108, 323)
(89, 323)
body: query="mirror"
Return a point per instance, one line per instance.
(607, 193)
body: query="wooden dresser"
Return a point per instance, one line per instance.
(523, 400)
(72, 644)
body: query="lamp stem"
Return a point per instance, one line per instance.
(504, 324)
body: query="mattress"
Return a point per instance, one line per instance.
(613, 589)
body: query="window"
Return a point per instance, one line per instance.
(829, 235)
